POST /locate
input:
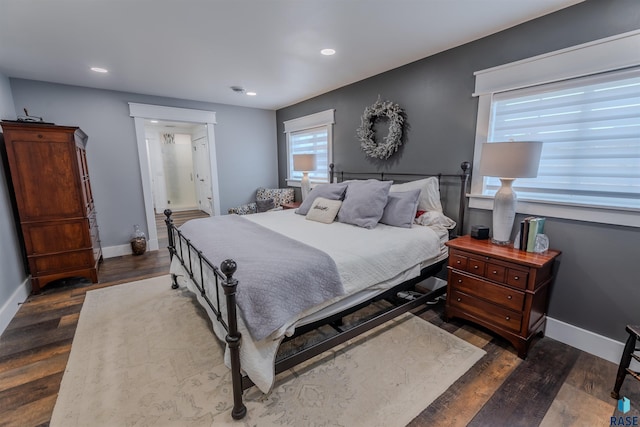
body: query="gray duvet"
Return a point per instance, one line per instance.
(278, 277)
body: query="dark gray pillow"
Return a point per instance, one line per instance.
(265, 205)
(401, 208)
(364, 202)
(328, 191)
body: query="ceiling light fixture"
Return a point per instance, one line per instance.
(252, 93)
(153, 121)
(237, 89)
(328, 52)
(99, 70)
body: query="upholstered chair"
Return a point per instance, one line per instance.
(266, 199)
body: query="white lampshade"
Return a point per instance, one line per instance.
(304, 162)
(508, 161)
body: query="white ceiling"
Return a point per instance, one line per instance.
(197, 49)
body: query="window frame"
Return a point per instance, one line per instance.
(605, 55)
(322, 119)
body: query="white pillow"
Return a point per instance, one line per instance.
(429, 193)
(435, 218)
(323, 210)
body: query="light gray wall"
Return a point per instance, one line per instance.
(12, 273)
(245, 141)
(597, 282)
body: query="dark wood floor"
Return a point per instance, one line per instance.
(556, 385)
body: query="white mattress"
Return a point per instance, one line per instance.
(369, 262)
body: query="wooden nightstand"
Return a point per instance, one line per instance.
(292, 205)
(501, 288)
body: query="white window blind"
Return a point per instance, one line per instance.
(310, 134)
(590, 127)
(310, 141)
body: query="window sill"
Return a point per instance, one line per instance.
(599, 214)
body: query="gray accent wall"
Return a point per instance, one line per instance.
(597, 285)
(12, 273)
(245, 142)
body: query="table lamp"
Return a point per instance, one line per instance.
(508, 161)
(304, 163)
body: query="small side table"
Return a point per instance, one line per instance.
(291, 205)
(501, 288)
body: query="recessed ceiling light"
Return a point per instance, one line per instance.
(251, 93)
(153, 121)
(99, 70)
(328, 52)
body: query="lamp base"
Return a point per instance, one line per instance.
(501, 242)
(504, 212)
(305, 185)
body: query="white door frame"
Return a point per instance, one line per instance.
(141, 112)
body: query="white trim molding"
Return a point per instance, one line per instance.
(12, 305)
(323, 118)
(582, 339)
(599, 56)
(142, 112)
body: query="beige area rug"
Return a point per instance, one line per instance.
(145, 355)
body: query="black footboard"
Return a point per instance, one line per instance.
(178, 246)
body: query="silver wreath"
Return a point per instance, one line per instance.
(366, 134)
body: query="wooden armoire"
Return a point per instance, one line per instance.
(52, 194)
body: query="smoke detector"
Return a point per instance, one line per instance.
(237, 89)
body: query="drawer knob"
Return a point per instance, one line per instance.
(508, 318)
(495, 271)
(509, 297)
(459, 280)
(475, 266)
(515, 277)
(458, 262)
(458, 299)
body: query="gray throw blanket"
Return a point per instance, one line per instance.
(278, 277)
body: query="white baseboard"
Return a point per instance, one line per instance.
(10, 308)
(584, 340)
(120, 250)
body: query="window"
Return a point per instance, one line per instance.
(590, 126)
(591, 133)
(310, 134)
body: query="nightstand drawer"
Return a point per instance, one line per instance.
(501, 295)
(458, 261)
(517, 278)
(486, 311)
(495, 272)
(475, 266)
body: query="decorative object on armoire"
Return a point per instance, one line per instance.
(138, 241)
(508, 161)
(366, 134)
(51, 191)
(304, 163)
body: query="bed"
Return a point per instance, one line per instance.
(254, 277)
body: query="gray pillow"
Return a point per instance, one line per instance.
(328, 191)
(265, 205)
(364, 202)
(401, 208)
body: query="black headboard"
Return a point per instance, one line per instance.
(464, 182)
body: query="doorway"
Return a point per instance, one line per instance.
(180, 169)
(207, 171)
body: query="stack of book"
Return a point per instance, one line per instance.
(530, 227)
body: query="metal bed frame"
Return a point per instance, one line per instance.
(181, 247)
